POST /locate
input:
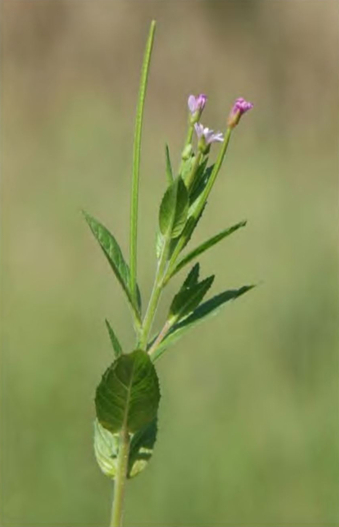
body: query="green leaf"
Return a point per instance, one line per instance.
(192, 277)
(159, 243)
(187, 167)
(106, 449)
(169, 172)
(200, 181)
(128, 394)
(113, 253)
(189, 229)
(114, 340)
(190, 295)
(206, 245)
(136, 161)
(141, 448)
(174, 209)
(207, 309)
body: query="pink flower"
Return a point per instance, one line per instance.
(207, 135)
(240, 107)
(196, 105)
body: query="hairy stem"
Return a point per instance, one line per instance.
(120, 479)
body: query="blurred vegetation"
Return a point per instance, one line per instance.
(253, 440)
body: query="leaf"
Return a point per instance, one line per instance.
(141, 448)
(187, 167)
(190, 228)
(206, 245)
(106, 449)
(207, 309)
(113, 253)
(136, 163)
(174, 209)
(114, 340)
(193, 276)
(190, 295)
(128, 394)
(159, 243)
(200, 177)
(199, 187)
(169, 172)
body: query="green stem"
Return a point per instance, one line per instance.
(155, 296)
(120, 479)
(202, 201)
(189, 134)
(167, 326)
(136, 160)
(214, 173)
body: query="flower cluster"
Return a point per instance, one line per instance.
(205, 135)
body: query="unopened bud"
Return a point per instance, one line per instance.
(239, 108)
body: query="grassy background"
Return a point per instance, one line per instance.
(249, 414)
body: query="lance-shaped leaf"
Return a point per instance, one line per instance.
(114, 340)
(190, 227)
(192, 277)
(106, 449)
(200, 176)
(128, 395)
(169, 172)
(207, 309)
(174, 209)
(177, 245)
(141, 448)
(206, 245)
(113, 253)
(190, 295)
(200, 180)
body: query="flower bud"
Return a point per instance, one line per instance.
(239, 108)
(196, 106)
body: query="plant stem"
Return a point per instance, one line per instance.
(160, 337)
(201, 203)
(214, 173)
(120, 479)
(136, 160)
(155, 296)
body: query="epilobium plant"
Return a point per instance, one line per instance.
(128, 395)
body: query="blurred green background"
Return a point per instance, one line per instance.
(249, 415)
